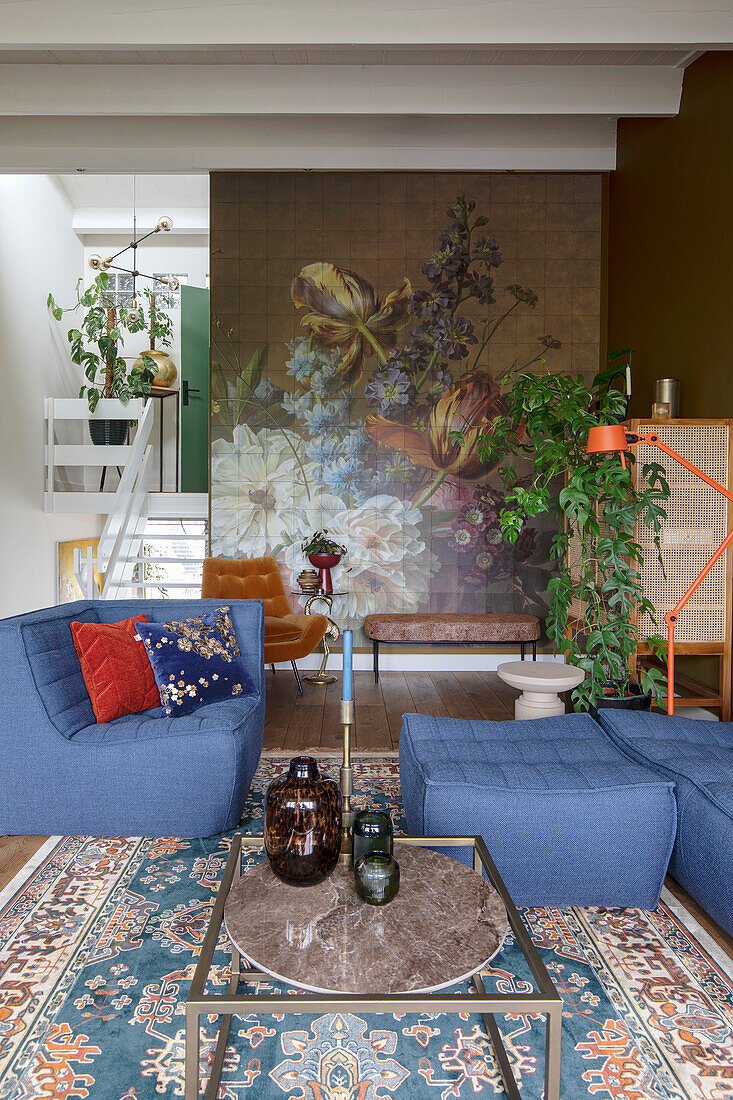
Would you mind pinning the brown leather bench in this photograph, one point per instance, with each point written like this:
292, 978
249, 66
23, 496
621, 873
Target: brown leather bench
450, 629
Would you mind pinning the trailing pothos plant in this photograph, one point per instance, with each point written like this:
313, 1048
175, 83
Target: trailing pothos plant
598, 589
96, 344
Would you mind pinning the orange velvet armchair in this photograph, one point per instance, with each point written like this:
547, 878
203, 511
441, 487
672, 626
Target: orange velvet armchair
288, 637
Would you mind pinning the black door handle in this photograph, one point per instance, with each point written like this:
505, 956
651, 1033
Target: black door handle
186, 391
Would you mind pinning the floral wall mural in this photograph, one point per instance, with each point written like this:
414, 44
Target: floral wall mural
358, 321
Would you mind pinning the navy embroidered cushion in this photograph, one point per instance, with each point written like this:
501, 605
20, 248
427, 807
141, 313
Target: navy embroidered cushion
195, 661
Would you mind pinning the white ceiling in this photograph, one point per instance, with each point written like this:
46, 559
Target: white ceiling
193, 85
164, 192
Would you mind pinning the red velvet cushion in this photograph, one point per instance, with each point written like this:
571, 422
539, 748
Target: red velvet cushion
115, 667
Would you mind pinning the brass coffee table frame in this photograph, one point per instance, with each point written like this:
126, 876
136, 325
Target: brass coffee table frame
548, 1001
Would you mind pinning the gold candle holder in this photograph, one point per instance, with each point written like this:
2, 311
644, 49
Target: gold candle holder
347, 782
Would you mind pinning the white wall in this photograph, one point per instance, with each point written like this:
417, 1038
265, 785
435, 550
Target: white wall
38, 252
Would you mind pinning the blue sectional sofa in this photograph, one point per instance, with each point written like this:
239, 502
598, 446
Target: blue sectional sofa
568, 817
698, 758
140, 775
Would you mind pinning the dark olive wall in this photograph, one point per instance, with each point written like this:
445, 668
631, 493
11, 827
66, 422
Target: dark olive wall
670, 253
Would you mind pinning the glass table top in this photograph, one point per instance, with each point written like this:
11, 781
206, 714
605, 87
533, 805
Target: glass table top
302, 592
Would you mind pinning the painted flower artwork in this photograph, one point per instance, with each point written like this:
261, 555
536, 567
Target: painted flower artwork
357, 434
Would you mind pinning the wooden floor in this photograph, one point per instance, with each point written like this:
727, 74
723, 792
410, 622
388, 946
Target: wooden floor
294, 723
312, 721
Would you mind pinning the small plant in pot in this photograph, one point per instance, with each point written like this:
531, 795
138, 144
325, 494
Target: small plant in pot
597, 593
96, 345
324, 553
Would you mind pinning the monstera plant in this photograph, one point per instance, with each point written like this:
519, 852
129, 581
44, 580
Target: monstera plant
598, 590
96, 346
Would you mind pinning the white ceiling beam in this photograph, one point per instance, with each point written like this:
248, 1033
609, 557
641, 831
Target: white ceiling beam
45, 24
140, 90
90, 220
547, 143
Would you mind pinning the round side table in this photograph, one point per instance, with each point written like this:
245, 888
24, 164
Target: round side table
333, 632
539, 682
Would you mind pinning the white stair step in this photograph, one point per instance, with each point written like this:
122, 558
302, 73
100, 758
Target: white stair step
87, 454
108, 408
178, 505
158, 584
174, 536
82, 503
166, 561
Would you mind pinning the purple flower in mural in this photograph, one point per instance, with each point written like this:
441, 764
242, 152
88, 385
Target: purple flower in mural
487, 252
447, 262
463, 536
486, 559
453, 335
430, 303
481, 287
475, 515
439, 380
389, 388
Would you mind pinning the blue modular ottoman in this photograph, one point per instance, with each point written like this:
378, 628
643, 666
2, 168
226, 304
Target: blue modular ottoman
698, 756
568, 818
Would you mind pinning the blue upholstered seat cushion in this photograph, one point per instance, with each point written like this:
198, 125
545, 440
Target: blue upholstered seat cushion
568, 818
223, 715
698, 756
55, 667
700, 751
196, 661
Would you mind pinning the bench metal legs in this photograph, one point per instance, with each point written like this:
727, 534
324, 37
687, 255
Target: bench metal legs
375, 651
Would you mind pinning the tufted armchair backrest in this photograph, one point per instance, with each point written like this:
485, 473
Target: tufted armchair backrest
246, 579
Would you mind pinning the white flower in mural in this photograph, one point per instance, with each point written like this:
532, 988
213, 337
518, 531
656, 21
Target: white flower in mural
259, 489
389, 559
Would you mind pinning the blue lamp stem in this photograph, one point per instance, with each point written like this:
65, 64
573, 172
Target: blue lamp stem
348, 665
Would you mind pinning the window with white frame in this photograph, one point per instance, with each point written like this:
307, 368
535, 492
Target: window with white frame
165, 297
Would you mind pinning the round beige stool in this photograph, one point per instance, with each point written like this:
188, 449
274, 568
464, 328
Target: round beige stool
539, 682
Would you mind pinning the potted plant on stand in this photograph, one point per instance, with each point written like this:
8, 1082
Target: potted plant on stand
598, 592
324, 553
95, 346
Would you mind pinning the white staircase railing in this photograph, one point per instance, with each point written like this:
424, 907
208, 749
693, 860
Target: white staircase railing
120, 554
120, 528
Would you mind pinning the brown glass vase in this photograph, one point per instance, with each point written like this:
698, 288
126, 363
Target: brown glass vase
303, 824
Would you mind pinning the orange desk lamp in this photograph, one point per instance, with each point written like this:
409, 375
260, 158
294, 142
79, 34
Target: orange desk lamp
614, 437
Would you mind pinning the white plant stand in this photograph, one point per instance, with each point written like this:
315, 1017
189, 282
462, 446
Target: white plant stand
539, 682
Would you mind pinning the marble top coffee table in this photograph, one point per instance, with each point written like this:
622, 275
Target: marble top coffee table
444, 927
327, 940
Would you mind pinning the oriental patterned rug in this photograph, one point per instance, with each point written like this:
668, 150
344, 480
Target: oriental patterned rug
99, 939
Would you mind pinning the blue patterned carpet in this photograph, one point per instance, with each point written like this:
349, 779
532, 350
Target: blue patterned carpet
99, 941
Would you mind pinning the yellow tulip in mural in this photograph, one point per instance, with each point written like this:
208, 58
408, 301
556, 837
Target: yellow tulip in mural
345, 313
466, 407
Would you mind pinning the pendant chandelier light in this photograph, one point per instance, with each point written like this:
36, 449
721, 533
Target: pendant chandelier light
100, 263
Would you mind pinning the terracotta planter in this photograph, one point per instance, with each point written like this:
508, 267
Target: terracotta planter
324, 563
303, 824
